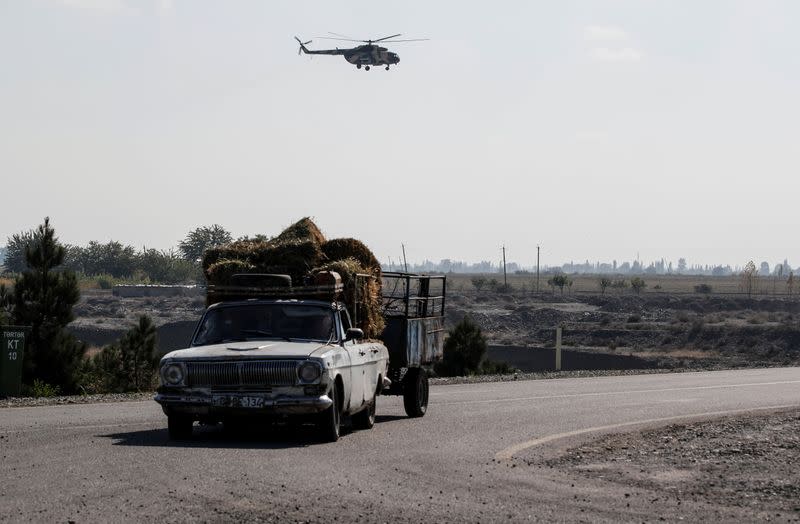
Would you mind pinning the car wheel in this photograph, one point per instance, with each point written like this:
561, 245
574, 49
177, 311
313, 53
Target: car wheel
415, 392
365, 418
330, 420
180, 427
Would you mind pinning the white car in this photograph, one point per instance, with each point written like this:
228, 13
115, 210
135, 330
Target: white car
258, 358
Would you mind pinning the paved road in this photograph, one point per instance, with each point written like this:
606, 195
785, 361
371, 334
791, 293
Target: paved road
465, 460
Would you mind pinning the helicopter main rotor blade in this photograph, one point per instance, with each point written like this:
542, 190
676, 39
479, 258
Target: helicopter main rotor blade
341, 36
384, 38
339, 39
411, 40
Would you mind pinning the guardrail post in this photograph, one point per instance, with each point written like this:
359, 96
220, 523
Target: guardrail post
558, 348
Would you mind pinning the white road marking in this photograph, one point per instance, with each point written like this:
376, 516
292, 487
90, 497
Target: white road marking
606, 393
509, 452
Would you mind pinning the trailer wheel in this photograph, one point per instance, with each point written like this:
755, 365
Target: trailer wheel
415, 392
179, 427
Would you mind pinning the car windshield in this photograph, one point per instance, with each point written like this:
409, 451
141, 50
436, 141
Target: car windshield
266, 321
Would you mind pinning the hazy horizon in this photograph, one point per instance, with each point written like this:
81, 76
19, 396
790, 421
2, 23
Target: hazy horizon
595, 129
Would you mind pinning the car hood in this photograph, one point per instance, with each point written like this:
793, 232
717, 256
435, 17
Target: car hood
251, 349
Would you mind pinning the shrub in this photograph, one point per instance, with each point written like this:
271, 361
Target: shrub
634, 318
464, 350
42, 389
696, 328
478, 283
702, 288
492, 367
126, 365
637, 284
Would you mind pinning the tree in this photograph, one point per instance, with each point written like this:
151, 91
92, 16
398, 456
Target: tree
137, 353
166, 267
128, 364
112, 258
196, 242
464, 350
681, 265
43, 298
637, 284
15, 250
790, 283
749, 277
603, 282
559, 281
619, 284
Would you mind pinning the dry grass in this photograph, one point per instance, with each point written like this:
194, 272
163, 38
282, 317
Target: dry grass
342, 248
300, 251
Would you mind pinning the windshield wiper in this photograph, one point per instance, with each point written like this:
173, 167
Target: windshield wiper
264, 334
256, 332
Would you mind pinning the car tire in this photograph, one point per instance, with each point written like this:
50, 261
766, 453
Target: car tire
415, 392
365, 418
179, 427
330, 420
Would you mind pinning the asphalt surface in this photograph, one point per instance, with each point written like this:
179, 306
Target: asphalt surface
466, 460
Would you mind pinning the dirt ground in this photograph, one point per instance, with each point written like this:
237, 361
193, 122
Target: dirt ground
670, 331
619, 331
744, 468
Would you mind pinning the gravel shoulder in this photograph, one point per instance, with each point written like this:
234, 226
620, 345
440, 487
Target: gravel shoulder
743, 468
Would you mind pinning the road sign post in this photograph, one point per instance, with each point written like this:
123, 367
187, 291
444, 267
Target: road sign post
12, 348
558, 348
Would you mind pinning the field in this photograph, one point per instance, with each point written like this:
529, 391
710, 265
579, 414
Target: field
671, 284
673, 327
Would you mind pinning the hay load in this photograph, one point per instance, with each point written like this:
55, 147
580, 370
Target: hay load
301, 251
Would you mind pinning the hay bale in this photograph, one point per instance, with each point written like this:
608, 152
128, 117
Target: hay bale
304, 230
295, 258
342, 248
220, 272
367, 309
300, 251
299, 257
244, 250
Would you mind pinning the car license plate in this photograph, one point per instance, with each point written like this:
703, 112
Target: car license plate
236, 401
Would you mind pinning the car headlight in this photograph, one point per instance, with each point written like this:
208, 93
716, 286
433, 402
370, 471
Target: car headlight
172, 374
309, 371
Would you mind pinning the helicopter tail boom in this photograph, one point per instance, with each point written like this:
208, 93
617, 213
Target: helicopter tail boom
304, 49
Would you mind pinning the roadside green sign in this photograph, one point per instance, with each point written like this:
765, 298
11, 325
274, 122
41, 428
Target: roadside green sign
12, 346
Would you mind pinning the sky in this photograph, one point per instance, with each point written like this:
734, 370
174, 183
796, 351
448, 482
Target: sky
599, 130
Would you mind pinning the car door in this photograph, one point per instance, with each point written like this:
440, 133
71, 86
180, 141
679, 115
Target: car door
358, 359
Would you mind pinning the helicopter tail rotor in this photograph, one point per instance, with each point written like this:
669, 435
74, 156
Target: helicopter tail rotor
303, 45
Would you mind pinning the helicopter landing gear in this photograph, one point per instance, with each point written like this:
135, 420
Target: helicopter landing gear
366, 68
358, 66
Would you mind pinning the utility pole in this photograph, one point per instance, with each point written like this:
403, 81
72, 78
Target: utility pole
537, 268
505, 278
405, 262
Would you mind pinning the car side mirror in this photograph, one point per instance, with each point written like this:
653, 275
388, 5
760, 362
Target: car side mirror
354, 334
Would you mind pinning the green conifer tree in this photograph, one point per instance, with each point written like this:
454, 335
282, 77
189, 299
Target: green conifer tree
43, 297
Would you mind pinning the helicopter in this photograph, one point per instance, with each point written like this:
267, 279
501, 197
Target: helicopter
365, 55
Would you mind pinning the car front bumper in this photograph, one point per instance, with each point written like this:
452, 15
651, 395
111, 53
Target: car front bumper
209, 404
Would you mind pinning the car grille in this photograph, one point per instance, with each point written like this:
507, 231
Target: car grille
235, 374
